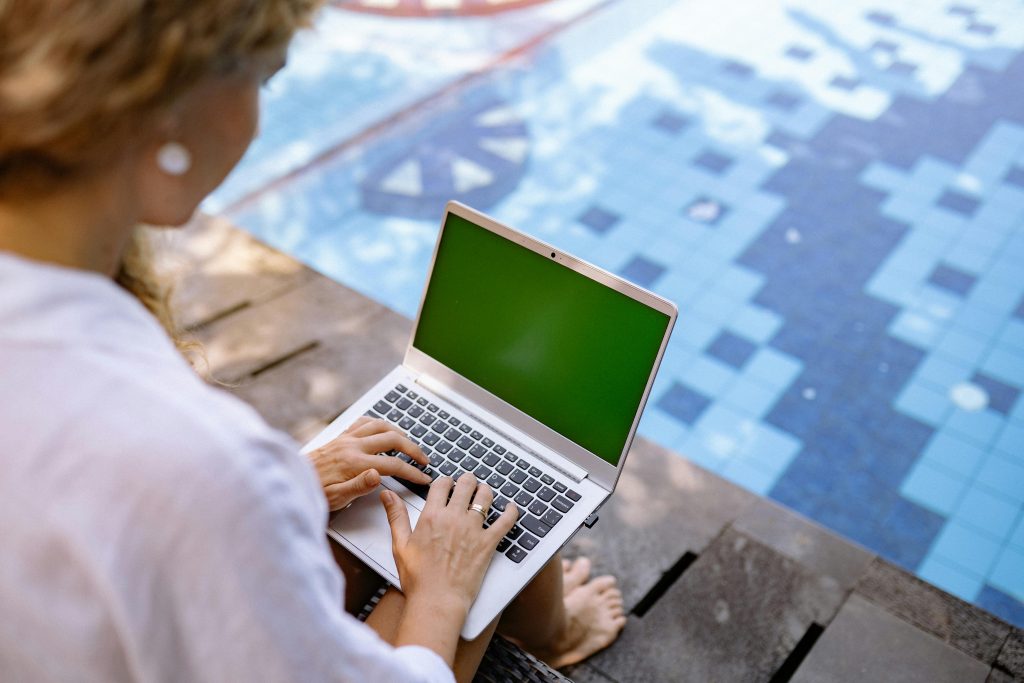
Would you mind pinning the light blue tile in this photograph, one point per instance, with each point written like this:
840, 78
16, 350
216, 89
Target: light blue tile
1017, 537
989, 512
773, 367
749, 476
964, 547
923, 403
1008, 574
702, 450
661, 428
755, 323
916, 329
770, 447
962, 346
933, 488
942, 372
954, 454
694, 331
751, 398
1005, 365
708, 376
978, 321
1011, 441
979, 426
1003, 475
1012, 336
951, 579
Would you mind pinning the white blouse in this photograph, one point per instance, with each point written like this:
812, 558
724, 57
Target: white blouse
153, 528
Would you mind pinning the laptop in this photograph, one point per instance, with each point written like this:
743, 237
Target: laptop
529, 368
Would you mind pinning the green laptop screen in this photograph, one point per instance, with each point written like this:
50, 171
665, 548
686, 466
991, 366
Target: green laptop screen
564, 349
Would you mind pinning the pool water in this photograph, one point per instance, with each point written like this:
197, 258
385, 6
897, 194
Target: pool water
831, 191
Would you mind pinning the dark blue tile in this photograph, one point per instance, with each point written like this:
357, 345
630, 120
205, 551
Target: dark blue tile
1015, 176
670, 122
642, 271
706, 210
1006, 607
731, 350
738, 69
845, 83
886, 46
799, 53
1001, 396
683, 403
714, 162
981, 29
1019, 312
784, 100
599, 220
900, 68
952, 279
881, 18
959, 202
907, 533
961, 11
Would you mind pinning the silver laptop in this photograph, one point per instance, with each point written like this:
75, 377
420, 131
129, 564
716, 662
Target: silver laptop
529, 368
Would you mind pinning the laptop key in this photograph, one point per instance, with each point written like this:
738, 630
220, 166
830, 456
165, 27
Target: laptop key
528, 541
560, 487
456, 455
407, 423
395, 415
538, 508
452, 434
402, 388
478, 451
454, 421
487, 442
535, 472
524, 499
436, 460
444, 415
572, 495
496, 481
404, 458
503, 544
551, 517
447, 469
374, 415
562, 504
439, 427
422, 402
444, 447
465, 443
500, 503
415, 411
470, 463
465, 428
516, 554
547, 479
535, 526
504, 467
403, 404
432, 408
418, 431
500, 450
492, 518
491, 459
511, 457
509, 490
431, 439
412, 394
515, 532
518, 476
391, 397
546, 494
523, 465
382, 407
427, 419
419, 489
477, 435
531, 485
482, 473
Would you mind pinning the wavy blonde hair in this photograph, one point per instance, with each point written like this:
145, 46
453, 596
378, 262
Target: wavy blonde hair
79, 77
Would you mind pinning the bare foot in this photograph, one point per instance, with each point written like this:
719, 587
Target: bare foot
594, 615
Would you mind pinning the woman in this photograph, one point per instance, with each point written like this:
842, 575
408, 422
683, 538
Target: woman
154, 527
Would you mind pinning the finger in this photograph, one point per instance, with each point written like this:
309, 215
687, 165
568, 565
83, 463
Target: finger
505, 521
483, 496
392, 440
340, 495
437, 496
465, 487
398, 519
393, 467
360, 421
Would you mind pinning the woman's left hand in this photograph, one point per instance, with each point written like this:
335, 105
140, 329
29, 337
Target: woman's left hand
350, 466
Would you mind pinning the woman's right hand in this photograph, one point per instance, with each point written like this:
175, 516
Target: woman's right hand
444, 560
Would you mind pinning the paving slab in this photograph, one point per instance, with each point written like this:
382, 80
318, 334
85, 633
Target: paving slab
1010, 662
960, 624
866, 643
663, 506
734, 616
811, 545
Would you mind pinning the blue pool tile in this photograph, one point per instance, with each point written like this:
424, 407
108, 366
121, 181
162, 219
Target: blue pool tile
706, 210
883, 45
784, 100
708, 376
964, 547
749, 476
1015, 176
731, 349
942, 373
989, 512
961, 11
978, 426
954, 454
751, 398
933, 488
1001, 396
799, 52
901, 68
1011, 440
952, 279
958, 202
1008, 574
1017, 537
1005, 365
1004, 476
642, 271
847, 83
905, 534
670, 122
713, 161
737, 69
599, 220
683, 403
757, 324
962, 347
924, 404
773, 367
950, 578
880, 18
1004, 606
981, 29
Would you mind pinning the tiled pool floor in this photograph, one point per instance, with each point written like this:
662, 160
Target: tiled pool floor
832, 191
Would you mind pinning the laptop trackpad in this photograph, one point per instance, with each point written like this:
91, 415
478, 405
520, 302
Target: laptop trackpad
364, 526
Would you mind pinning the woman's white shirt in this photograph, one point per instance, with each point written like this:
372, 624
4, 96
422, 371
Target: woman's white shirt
155, 528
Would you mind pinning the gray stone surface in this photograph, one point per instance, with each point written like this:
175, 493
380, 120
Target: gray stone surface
734, 616
662, 507
1010, 661
866, 643
950, 619
584, 673
809, 544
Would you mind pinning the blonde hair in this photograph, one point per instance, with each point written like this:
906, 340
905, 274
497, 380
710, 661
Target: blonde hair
78, 77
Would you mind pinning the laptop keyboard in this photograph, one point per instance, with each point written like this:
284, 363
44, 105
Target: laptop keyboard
455, 447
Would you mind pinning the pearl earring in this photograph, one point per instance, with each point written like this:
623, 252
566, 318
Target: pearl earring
174, 159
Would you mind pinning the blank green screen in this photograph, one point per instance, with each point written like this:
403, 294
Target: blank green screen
566, 350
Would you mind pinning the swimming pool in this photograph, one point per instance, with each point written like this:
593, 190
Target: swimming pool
833, 193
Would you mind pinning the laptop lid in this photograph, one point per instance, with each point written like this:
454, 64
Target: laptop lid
558, 348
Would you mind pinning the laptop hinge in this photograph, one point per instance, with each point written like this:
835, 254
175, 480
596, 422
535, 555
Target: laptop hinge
576, 474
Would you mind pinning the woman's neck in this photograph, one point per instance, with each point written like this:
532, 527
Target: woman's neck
84, 225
